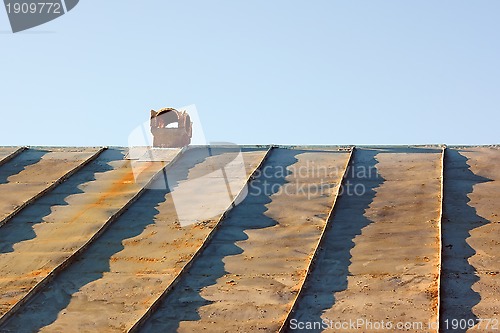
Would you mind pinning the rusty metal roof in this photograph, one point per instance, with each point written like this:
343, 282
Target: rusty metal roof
249, 238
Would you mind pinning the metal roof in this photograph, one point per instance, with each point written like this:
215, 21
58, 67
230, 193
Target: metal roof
249, 238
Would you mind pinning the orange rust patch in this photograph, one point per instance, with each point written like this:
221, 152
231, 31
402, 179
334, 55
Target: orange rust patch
116, 188
12, 302
39, 272
433, 294
134, 259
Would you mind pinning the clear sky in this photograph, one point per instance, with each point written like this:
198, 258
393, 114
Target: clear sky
291, 72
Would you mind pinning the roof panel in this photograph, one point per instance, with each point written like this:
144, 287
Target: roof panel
471, 235
374, 248
34, 172
272, 247
68, 225
128, 267
7, 153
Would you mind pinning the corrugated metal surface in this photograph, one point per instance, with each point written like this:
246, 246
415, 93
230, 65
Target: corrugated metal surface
35, 172
381, 256
138, 256
63, 221
471, 239
94, 240
256, 261
8, 153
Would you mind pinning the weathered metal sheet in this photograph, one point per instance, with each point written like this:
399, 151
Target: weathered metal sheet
313, 260
7, 153
42, 237
35, 172
471, 241
118, 278
247, 277
380, 259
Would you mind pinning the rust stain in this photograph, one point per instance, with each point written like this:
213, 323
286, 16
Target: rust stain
135, 259
115, 189
433, 294
38, 272
13, 302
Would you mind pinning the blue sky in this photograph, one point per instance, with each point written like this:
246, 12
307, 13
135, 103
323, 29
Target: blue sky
291, 72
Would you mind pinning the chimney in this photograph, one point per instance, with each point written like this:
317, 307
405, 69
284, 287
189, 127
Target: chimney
171, 128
